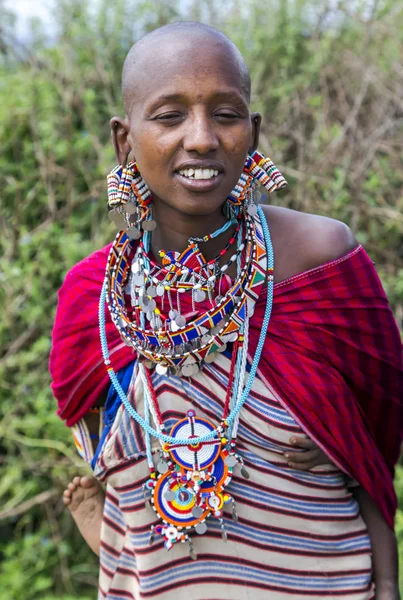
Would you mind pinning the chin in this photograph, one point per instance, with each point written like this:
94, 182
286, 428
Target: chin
199, 208
194, 205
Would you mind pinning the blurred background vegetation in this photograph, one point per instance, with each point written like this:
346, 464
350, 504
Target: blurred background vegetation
328, 79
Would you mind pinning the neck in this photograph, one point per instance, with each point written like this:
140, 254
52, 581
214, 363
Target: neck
174, 230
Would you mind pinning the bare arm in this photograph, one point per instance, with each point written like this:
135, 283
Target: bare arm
384, 547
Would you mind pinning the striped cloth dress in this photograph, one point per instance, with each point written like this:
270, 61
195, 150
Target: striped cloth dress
299, 534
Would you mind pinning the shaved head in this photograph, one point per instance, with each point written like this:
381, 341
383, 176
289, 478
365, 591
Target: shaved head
183, 34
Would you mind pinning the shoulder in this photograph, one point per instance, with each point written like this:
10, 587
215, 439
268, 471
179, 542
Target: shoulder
303, 241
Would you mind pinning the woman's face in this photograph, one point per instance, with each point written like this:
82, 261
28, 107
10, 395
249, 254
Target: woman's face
188, 125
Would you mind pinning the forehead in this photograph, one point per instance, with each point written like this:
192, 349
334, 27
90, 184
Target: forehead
185, 65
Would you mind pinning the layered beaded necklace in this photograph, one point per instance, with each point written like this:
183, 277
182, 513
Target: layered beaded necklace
197, 458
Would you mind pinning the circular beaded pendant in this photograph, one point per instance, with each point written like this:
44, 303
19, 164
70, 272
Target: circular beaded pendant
192, 488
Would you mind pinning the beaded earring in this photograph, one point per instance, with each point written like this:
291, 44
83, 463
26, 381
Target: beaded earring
130, 200
257, 170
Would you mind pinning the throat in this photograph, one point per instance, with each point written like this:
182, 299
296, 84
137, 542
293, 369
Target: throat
178, 238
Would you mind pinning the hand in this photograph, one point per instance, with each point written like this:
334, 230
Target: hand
312, 457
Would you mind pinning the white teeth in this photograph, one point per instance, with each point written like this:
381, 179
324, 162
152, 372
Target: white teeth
199, 173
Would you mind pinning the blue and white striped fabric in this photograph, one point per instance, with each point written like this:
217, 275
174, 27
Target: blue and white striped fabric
299, 534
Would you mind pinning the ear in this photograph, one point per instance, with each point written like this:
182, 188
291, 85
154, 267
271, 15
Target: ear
256, 119
120, 132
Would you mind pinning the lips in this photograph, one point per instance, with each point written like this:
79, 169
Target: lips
199, 185
200, 175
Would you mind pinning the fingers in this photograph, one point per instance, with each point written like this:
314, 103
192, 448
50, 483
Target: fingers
302, 457
303, 461
303, 442
312, 456
303, 466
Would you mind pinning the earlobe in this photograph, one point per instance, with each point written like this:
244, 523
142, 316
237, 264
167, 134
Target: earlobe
120, 132
256, 119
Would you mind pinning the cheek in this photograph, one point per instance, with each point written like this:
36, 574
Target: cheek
237, 142
152, 161
237, 149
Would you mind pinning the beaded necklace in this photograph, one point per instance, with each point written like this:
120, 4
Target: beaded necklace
185, 345
177, 260
197, 458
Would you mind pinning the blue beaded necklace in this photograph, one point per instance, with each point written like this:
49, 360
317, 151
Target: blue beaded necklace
144, 424
189, 484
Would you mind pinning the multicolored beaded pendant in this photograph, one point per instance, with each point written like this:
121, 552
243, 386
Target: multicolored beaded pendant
190, 486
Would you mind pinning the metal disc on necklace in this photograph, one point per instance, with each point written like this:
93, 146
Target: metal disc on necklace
192, 552
187, 370
118, 219
230, 337
135, 266
162, 467
252, 210
231, 460
169, 495
197, 512
133, 233
195, 369
151, 291
130, 208
222, 348
151, 305
149, 313
161, 369
180, 321
209, 358
245, 473
199, 296
173, 314
218, 299
138, 279
160, 289
149, 225
201, 528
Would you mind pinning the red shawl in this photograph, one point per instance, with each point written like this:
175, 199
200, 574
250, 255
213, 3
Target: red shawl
332, 355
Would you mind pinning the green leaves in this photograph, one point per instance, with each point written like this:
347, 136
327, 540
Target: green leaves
328, 84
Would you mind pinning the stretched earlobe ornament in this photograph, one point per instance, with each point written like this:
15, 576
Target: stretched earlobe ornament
129, 200
257, 170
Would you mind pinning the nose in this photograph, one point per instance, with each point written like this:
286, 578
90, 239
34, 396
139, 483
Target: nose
200, 135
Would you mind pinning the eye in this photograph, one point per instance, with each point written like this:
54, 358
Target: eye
169, 117
226, 115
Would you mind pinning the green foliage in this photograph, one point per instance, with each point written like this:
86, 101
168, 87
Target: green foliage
328, 84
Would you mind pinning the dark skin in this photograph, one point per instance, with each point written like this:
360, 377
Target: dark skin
189, 107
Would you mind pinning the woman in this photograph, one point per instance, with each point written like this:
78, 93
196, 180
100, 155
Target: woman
204, 495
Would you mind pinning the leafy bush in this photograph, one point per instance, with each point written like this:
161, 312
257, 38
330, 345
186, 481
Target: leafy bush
329, 85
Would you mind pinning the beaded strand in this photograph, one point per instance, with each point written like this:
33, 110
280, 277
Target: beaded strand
243, 397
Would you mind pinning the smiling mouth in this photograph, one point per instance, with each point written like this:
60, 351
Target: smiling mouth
199, 173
